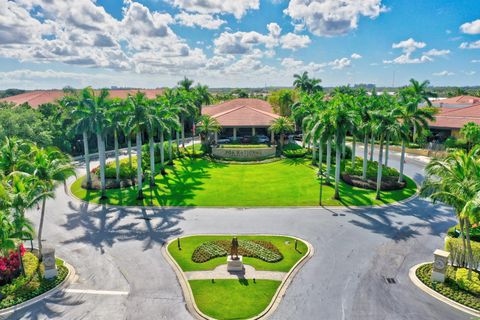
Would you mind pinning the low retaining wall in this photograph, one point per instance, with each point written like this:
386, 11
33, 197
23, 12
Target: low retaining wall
244, 153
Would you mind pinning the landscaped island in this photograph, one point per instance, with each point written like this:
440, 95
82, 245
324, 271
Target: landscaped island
220, 294
202, 182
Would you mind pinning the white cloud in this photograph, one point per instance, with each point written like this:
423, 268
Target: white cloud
294, 66
339, 64
409, 45
293, 41
475, 61
355, 56
236, 7
332, 17
444, 73
471, 27
470, 73
204, 21
470, 45
436, 53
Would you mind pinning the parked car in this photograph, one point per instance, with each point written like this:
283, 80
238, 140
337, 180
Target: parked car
246, 139
223, 141
262, 139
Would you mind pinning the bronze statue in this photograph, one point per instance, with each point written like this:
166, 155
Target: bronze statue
234, 249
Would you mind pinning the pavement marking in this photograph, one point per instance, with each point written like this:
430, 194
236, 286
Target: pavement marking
101, 292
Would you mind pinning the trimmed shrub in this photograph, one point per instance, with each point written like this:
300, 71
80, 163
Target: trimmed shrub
262, 250
372, 167
125, 171
473, 286
293, 150
455, 247
243, 146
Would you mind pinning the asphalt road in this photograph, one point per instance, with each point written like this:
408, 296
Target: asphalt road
116, 253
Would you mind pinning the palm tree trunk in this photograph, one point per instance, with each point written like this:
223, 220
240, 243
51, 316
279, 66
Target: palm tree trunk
469, 248
313, 153
337, 165
379, 170
170, 147
139, 165
282, 138
183, 133
329, 159
101, 155
162, 147
152, 160
343, 149
365, 155
387, 145
177, 136
464, 255
372, 147
320, 154
87, 160
402, 162
117, 159
129, 147
40, 227
354, 149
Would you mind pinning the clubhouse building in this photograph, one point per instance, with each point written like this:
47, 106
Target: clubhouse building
240, 118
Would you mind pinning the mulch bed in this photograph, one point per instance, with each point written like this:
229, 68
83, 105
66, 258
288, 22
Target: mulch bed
109, 183
388, 183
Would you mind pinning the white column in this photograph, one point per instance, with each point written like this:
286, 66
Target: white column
216, 137
234, 133
253, 131
272, 137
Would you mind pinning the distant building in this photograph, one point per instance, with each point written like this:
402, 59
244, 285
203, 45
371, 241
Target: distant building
39, 97
242, 117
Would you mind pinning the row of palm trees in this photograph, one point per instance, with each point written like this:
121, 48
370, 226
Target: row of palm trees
165, 116
28, 177
371, 118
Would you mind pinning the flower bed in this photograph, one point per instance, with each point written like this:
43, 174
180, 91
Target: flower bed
10, 266
262, 250
24, 288
450, 288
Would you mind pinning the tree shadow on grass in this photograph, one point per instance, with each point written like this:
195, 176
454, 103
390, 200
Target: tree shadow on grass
103, 226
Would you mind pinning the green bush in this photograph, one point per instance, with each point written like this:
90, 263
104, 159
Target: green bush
454, 232
372, 167
454, 143
259, 249
449, 288
126, 172
455, 247
473, 285
243, 146
293, 150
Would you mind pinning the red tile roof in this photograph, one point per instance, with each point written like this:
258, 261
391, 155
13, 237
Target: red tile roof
456, 118
242, 113
458, 100
36, 98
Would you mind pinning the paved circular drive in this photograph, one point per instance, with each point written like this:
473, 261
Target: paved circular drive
121, 273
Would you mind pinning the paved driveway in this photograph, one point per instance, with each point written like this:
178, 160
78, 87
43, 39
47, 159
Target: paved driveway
117, 251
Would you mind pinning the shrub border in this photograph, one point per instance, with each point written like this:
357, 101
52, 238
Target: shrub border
276, 299
416, 281
63, 284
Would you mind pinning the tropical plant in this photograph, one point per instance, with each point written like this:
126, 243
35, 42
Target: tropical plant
471, 132
282, 101
186, 84
282, 126
206, 126
306, 84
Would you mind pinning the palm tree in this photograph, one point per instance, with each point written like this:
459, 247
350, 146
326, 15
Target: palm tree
341, 115
282, 126
186, 84
471, 133
420, 90
115, 115
305, 108
139, 112
202, 97
186, 104
166, 120
11, 152
455, 181
205, 126
365, 127
306, 84
48, 167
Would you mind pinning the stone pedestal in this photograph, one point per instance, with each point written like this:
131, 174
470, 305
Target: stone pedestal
234, 265
48, 255
440, 265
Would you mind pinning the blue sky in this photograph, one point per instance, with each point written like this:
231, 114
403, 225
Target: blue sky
247, 43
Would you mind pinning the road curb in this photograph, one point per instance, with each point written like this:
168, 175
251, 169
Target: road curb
276, 299
62, 285
413, 277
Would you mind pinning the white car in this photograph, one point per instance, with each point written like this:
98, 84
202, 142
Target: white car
262, 139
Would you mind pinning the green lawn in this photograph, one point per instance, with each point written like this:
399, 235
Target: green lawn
286, 245
200, 182
233, 299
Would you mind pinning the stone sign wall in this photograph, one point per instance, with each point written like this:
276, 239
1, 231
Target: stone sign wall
244, 153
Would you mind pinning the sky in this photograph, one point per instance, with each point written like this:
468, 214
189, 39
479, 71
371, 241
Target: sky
46, 44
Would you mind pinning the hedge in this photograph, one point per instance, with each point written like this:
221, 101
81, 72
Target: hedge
243, 146
260, 249
473, 285
455, 247
293, 150
372, 168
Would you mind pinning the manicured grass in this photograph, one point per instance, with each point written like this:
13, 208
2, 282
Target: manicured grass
24, 288
449, 288
200, 182
286, 245
233, 299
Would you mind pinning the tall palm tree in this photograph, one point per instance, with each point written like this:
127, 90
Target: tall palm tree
202, 97
341, 115
49, 167
282, 126
306, 108
205, 126
116, 115
365, 127
421, 91
139, 115
12, 151
306, 84
186, 84
188, 110
455, 181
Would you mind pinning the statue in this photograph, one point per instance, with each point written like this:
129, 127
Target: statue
234, 249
